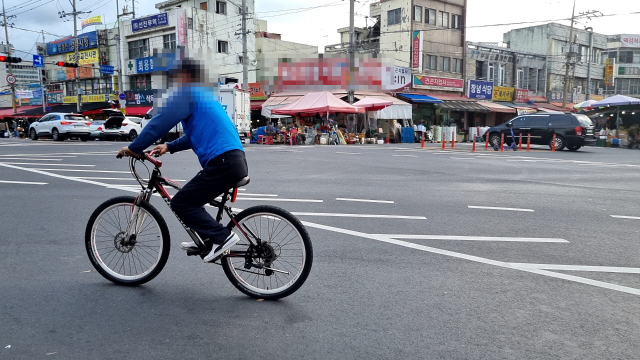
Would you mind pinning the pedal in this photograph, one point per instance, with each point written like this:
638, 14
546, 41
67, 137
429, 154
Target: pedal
193, 252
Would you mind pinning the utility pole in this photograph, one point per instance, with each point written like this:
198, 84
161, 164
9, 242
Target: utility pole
352, 51
43, 82
76, 46
569, 56
245, 63
6, 34
590, 30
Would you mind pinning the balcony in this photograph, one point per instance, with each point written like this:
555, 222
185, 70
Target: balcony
368, 45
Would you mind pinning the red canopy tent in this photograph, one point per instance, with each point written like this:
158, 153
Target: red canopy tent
317, 102
373, 104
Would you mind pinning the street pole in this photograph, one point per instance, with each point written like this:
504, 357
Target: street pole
566, 70
13, 86
590, 30
77, 57
245, 63
352, 50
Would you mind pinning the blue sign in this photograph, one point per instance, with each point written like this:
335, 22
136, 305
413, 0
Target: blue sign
144, 65
121, 96
106, 69
54, 97
47, 109
38, 61
149, 22
61, 46
480, 89
61, 75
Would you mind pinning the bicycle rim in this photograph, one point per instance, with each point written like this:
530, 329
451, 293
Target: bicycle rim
287, 249
127, 263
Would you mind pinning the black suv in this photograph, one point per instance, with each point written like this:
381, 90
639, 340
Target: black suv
573, 131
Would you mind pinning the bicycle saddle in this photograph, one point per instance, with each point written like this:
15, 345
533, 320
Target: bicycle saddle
244, 181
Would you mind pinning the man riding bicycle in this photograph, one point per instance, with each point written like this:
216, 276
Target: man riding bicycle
211, 134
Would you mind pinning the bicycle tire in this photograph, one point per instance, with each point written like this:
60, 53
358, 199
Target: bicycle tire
141, 253
272, 223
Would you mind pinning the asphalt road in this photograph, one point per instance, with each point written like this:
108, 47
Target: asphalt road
454, 255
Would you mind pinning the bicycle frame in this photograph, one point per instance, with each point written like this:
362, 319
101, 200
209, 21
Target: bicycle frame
157, 183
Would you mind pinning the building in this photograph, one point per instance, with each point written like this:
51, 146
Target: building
624, 49
584, 58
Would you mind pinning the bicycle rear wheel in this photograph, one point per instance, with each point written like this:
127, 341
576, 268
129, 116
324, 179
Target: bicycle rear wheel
280, 264
132, 263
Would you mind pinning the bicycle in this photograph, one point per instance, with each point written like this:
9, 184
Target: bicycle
128, 241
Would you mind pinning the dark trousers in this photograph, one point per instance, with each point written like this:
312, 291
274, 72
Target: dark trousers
218, 176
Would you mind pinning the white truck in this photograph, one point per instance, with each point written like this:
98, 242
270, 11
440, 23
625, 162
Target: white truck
234, 101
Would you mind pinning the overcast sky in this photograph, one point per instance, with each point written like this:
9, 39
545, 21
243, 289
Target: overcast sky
317, 26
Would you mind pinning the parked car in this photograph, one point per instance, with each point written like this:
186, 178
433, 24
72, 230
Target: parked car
60, 126
119, 126
96, 129
572, 131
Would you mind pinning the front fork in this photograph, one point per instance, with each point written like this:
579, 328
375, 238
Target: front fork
136, 219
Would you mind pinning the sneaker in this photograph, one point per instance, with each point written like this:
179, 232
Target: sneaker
189, 246
216, 252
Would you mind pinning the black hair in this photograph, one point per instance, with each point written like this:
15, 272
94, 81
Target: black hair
191, 67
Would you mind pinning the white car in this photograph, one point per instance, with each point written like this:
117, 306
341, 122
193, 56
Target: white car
60, 126
121, 127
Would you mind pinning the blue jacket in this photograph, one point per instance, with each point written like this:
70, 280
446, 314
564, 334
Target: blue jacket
208, 129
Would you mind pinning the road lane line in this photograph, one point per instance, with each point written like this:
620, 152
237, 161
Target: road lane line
22, 182
278, 199
625, 217
79, 170
499, 208
405, 155
347, 153
40, 164
608, 269
360, 215
366, 200
2, 158
474, 238
249, 194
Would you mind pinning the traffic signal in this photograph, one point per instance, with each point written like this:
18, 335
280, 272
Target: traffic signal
44, 76
66, 64
10, 59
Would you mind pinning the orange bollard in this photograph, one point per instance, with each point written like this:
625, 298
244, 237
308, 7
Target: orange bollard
520, 142
453, 139
486, 140
422, 146
473, 147
443, 140
553, 147
528, 142
501, 142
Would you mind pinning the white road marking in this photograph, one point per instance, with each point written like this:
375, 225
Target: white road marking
499, 208
474, 238
405, 155
360, 215
17, 163
249, 194
601, 284
83, 170
348, 153
22, 182
279, 199
365, 200
2, 158
625, 217
608, 269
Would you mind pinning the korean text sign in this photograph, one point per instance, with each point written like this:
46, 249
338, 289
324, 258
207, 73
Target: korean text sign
149, 22
501, 93
480, 89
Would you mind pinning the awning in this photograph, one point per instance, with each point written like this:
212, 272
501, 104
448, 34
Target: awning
537, 99
278, 100
8, 112
67, 108
137, 110
399, 109
493, 107
457, 105
549, 106
420, 99
520, 109
256, 104
569, 106
444, 97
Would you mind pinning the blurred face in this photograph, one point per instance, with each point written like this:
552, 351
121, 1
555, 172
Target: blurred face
182, 78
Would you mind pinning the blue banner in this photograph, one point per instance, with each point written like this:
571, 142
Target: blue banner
55, 97
144, 65
106, 69
480, 89
61, 46
149, 22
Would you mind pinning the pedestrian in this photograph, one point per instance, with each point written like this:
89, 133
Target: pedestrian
211, 134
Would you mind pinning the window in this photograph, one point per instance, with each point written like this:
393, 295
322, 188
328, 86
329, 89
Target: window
430, 16
138, 48
520, 79
240, 60
479, 70
445, 64
223, 46
394, 16
417, 13
221, 7
203, 5
140, 82
431, 62
457, 66
626, 57
190, 23
501, 74
491, 73
169, 41
456, 21
444, 19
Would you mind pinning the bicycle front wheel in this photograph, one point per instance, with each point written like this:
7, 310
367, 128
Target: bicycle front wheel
281, 261
127, 262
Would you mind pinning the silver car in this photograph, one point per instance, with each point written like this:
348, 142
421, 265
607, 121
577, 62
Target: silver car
60, 126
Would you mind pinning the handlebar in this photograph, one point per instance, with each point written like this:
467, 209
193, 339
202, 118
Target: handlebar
147, 155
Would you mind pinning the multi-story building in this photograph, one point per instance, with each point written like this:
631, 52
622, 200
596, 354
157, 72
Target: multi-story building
625, 51
582, 55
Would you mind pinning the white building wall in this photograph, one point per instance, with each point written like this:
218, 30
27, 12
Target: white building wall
395, 40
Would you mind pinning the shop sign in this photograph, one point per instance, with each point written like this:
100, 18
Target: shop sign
54, 97
608, 72
578, 98
502, 93
628, 70
149, 22
24, 94
596, 97
69, 99
86, 57
437, 83
85, 99
140, 97
630, 40
480, 89
257, 93
144, 65
522, 96
555, 96
181, 27
116, 85
526, 111
61, 46
416, 53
